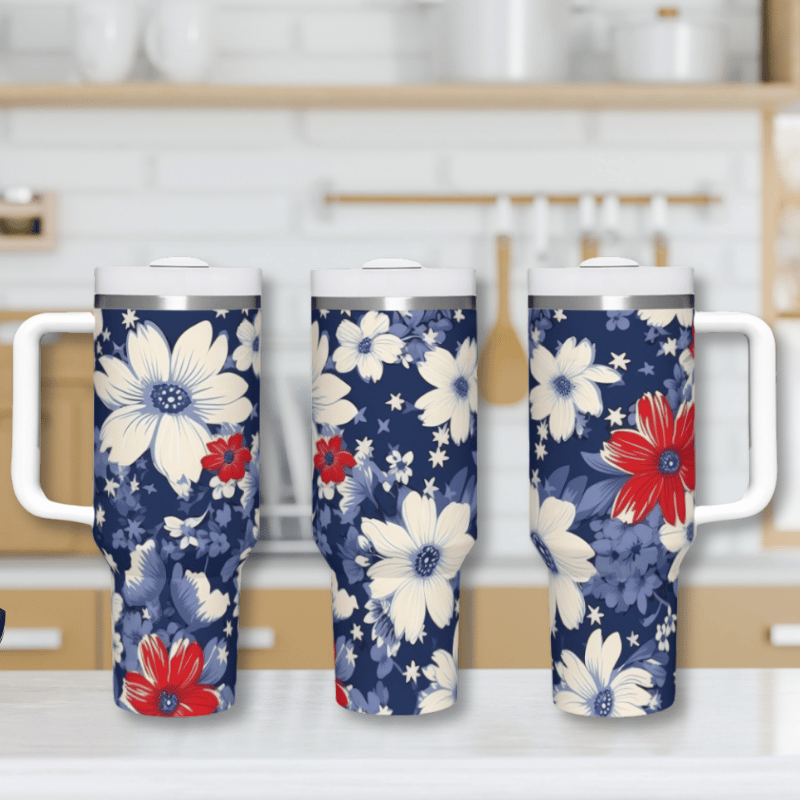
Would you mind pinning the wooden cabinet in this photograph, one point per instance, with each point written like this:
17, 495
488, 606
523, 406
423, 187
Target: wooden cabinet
501, 628
50, 629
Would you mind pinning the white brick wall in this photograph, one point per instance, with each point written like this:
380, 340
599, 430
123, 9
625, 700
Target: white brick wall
243, 188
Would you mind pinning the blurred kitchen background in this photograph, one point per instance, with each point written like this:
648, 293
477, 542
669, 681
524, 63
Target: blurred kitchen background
134, 173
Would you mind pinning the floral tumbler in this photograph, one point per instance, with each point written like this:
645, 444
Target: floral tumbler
612, 494
176, 469
394, 405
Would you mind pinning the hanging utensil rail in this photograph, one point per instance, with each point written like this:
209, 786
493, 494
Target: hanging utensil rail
520, 199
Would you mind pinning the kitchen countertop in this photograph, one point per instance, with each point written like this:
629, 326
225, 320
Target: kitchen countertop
731, 734
282, 571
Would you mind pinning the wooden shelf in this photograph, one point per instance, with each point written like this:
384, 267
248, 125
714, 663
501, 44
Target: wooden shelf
767, 96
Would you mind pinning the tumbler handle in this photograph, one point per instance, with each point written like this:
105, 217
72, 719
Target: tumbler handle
25, 432
762, 413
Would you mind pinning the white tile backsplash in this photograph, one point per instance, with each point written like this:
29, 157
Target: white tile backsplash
243, 187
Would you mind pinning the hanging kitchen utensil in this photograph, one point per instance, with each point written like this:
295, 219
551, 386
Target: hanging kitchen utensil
502, 368
541, 228
658, 223
587, 220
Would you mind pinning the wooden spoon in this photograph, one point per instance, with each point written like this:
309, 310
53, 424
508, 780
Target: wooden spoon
503, 365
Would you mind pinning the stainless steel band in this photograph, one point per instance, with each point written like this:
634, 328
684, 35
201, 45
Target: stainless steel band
632, 302
462, 302
146, 302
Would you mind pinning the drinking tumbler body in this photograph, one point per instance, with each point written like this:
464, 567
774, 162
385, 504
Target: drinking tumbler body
395, 467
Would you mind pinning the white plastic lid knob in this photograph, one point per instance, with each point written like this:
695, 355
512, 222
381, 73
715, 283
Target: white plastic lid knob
392, 277
607, 276
178, 276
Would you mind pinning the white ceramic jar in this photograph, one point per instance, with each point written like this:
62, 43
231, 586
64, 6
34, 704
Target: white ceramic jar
670, 49
505, 40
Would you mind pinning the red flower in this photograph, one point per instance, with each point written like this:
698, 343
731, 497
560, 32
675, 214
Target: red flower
168, 684
341, 690
659, 455
331, 460
227, 459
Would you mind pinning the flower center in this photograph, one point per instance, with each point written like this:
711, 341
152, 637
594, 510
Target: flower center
604, 703
329, 459
167, 702
461, 386
690, 532
365, 345
669, 463
256, 344
563, 386
544, 552
169, 398
426, 560
228, 457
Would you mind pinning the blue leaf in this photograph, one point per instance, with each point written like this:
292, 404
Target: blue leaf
595, 461
214, 663
597, 499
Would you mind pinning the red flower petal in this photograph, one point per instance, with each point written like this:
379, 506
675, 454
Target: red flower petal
186, 664
335, 443
672, 500
654, 418
154, 659
198, 700
346, 459
142, 695
235, 442
212, 462
341, 695
640, 493
630, 451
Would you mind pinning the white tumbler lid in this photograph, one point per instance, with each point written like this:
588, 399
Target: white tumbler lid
180, 276
610, 277
392, 277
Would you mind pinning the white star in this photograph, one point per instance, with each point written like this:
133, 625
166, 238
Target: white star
134, 484
221, 312
222, 654
323, 312
430, 337
344, 313
633, 639
395, 402
559, 316
541, 430
99, 347
619, 361
423, 633
228, 628
595, 615
669, 348
350, 655
106, 334
442, 436
615, 416
430, 486
357, 633
146, 614
246, 311
384, 711
541, 450
438, 457
99, 516
129, 319
458, 315
111, 487
536, 335
535, 479
412, 672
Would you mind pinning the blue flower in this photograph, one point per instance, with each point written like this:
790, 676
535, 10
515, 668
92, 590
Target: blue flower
376, 701
194, 600
145, 578
618, 320
134, 629
345, 658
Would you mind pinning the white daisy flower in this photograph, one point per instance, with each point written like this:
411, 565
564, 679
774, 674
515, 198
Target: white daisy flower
220, 489
565, 555
367, 346
165, 401
456, 394
567, 383
183, 529
400, 465
248, 353
678, 538
418, 561
325, 491
327, 390
661, 317
595, 689
443, 675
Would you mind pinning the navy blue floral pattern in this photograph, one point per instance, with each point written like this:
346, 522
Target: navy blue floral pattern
394, 405
612, 498
176, 497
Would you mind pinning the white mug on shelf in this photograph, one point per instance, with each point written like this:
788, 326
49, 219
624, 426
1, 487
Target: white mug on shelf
106, 39
180, 39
